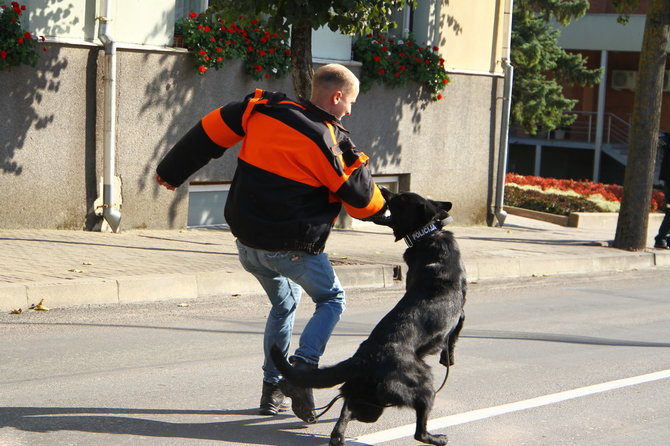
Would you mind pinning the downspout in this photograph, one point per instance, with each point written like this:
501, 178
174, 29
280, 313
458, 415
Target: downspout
110, 213
508, 70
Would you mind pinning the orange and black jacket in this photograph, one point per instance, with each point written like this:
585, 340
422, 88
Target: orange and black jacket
296, 167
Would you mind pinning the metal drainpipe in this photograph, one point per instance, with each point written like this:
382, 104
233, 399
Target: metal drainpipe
500, 213
110, 213
504, 137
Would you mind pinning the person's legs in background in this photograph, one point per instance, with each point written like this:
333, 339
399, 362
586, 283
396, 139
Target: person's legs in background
661, 240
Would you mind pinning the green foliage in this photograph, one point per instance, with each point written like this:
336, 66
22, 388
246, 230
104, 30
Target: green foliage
212, 42
16, 45
537, 99
346, 16
395, 62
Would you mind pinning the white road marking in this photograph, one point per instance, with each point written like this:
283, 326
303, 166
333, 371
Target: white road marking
490, 412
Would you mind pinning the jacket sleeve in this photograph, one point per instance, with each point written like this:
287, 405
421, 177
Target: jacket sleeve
359, 194
208, 139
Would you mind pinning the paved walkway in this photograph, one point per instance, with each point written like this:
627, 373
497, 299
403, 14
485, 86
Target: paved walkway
77, 268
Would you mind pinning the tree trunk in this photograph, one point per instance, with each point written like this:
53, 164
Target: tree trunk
631, 231
301, 59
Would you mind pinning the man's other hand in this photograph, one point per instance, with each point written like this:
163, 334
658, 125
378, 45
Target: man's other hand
164, 183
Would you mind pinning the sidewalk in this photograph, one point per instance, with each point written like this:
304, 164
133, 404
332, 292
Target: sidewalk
79, 268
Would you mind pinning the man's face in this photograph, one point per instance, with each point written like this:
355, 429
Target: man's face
342, 101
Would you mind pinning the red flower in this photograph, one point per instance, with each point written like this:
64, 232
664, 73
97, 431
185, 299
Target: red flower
258, 68
267, 76
20, 40
27, 35
402, 68
218, 48
250, 48
219, 59
193, 15
287, 52
439, 96
397, 74
418, 59
3, 54
254, 22
261, 53
203, 52
381, 71
377, 58
435, 48
207, 29
202, 68
445, 81
213, 39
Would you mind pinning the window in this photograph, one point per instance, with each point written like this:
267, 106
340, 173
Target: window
182, 8
206, 203
391, 182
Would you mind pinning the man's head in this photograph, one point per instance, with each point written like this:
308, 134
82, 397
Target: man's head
334, 89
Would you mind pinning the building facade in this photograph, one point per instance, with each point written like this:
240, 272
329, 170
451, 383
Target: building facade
53, 168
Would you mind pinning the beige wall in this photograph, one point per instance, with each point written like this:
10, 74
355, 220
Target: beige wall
474, 32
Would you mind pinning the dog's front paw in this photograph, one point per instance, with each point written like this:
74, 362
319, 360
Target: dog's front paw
336, 441
436, 439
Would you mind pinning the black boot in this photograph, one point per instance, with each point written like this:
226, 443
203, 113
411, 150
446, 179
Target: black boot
271, 400
302, 399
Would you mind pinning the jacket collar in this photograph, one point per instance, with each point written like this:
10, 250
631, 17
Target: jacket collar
323, 114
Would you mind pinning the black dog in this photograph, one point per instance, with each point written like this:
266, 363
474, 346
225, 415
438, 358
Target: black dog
388, 368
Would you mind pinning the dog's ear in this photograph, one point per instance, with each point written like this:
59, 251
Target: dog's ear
387, 194
444, 205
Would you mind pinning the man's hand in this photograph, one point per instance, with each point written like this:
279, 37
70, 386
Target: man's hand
164, 183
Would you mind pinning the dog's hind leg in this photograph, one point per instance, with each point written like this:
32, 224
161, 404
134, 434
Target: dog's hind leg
337, 436
423, 403
447, 355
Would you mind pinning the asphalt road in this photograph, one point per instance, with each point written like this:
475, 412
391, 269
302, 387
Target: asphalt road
548, 361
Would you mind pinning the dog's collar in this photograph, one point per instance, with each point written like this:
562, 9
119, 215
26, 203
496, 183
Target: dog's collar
432, 226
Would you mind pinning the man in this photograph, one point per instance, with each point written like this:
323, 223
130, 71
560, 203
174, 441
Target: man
661, 239
295, 169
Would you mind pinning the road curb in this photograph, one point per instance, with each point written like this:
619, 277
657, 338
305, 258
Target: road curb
157, 287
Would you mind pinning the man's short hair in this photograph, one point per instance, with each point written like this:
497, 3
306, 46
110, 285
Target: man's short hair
334, 77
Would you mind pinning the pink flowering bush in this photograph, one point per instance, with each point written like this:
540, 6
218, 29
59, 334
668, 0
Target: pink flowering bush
212, 42
395, 62
16, 45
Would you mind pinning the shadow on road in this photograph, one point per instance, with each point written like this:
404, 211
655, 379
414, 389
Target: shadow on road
119, 421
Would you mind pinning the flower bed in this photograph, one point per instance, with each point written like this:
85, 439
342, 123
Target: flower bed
564, 196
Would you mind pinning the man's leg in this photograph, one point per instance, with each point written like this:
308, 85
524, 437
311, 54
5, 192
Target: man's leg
661, 240
284, 296
316, 276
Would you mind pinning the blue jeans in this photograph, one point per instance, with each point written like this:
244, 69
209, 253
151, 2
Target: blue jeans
283, 275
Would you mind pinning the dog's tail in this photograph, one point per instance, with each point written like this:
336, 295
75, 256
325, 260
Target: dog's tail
318, 378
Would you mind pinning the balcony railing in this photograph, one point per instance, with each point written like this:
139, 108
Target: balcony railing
583, 129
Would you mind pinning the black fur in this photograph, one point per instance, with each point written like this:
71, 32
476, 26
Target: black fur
388, 368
